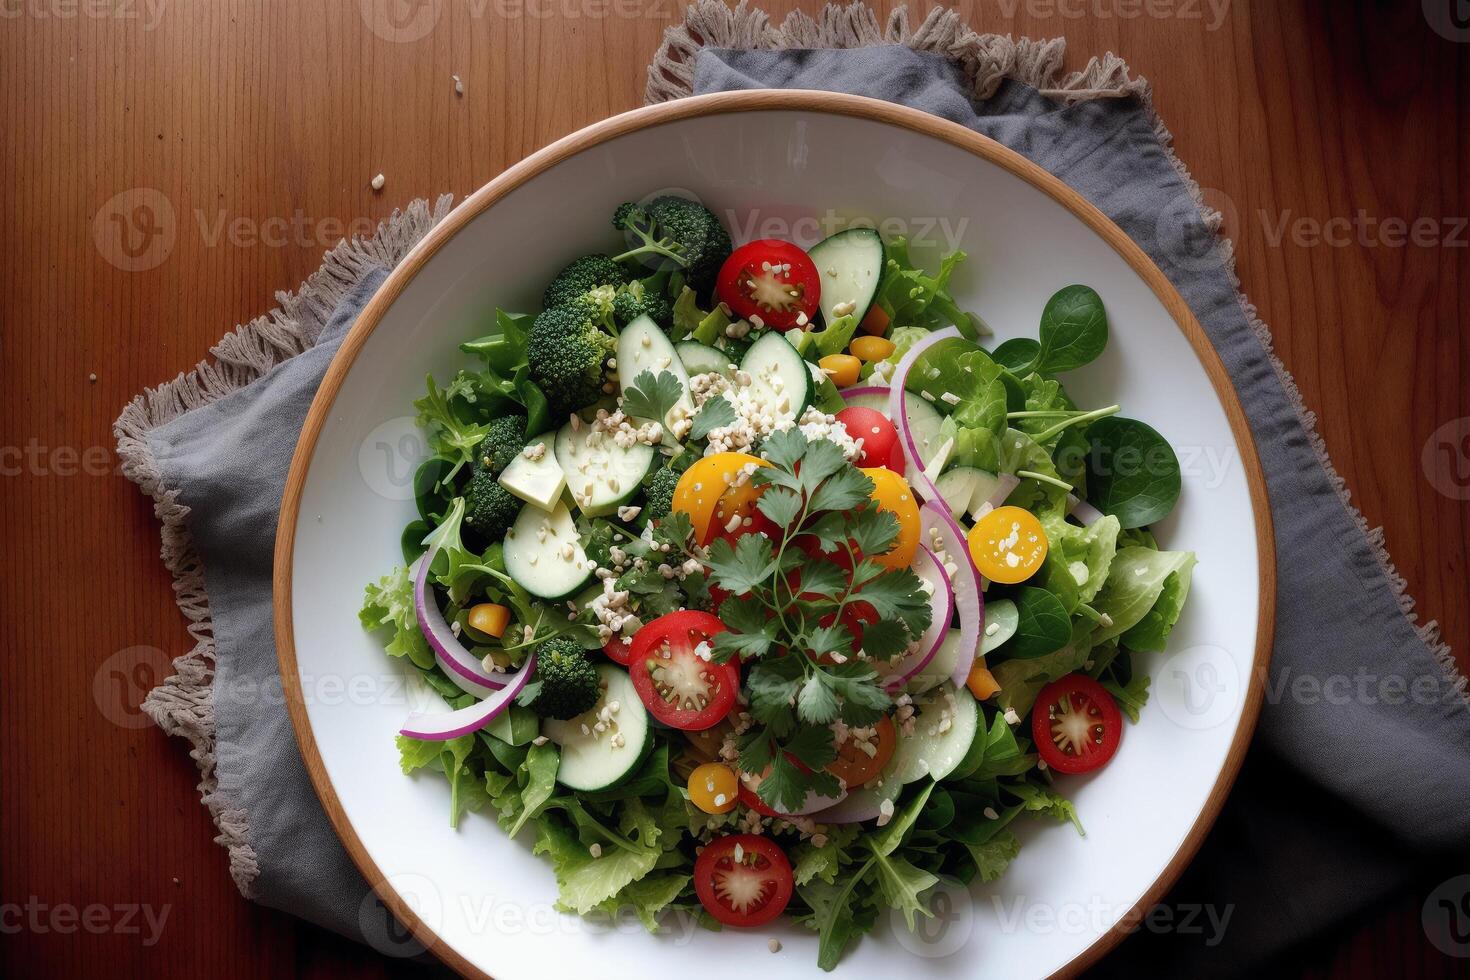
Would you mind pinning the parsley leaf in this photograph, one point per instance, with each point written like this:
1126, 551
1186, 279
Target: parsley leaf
872, 531
781, 504
740, 567
816, 702
847, 488
885, 639
716, 413
651, 397
898, 594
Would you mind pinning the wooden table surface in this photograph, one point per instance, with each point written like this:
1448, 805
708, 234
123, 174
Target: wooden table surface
260, 126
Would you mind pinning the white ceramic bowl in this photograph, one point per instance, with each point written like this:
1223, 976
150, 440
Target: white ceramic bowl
774, 164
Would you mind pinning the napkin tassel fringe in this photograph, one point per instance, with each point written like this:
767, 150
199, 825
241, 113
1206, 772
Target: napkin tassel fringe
183, 705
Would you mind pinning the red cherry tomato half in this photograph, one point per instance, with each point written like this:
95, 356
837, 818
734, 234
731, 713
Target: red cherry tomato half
677, 685
770, 279
618, 649
747, 798
880, 438
743, 880
1075, 724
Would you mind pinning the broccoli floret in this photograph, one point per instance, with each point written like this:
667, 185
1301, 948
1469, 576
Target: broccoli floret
680, 231
637, 299
505, 438
489, 508
568, 679
659, 494
580, 277
567, 348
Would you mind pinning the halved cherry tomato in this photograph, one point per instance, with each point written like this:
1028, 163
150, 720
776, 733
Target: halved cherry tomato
893, 494
712, 787
879, 437
619, 649
702, 486
749, 799
743, 880
854, 766
770, 279
1008, 545
676, 684
1075, 724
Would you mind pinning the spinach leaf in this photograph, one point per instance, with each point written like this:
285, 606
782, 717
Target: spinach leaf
433, 488
1132, 473
1017, 354
1042, 625
1074, 330
411, 541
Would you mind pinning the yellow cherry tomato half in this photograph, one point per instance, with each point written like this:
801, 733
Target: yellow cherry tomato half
893, 494
489, 618
701, 486
871, 348
713, 787
1008, 545
843, 369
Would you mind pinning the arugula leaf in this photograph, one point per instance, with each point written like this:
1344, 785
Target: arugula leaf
1132, 696
584, 881
1132, 472
901, 884
650, 397
885, 840
717, 413
389, 602
540, 768
450, 436
1074, 330
840, 913
1003, 755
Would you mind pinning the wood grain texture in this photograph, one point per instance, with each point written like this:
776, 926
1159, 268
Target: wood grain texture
246, 112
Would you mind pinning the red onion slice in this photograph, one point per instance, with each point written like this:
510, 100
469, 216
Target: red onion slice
1007, 483
451, 724
1082, 510
853, 395
928, 568
899, 415
461, 666
940, 527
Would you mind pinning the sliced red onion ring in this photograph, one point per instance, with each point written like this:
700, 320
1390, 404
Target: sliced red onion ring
471, 718
969, 600
1082, 510
461, 666
927, 567
1008, 482
899, 415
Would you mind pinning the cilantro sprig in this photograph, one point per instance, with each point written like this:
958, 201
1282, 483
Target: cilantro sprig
788, 607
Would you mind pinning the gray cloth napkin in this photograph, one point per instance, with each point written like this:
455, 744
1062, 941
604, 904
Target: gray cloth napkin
1338, 803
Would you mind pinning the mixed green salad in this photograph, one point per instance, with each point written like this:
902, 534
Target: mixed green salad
755, 583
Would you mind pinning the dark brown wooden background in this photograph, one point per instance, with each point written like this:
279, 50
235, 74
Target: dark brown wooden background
238, 113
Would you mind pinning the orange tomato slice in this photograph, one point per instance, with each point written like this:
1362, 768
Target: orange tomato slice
702, 487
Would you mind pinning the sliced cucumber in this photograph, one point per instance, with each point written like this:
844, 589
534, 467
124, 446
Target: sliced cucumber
601, 475
930, 751
877, 401
537, 555
925, 425
988, 488
703, 359
957, 486
594, 760
643, 346
778, 376
538, 481
850, 266
1001, 619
